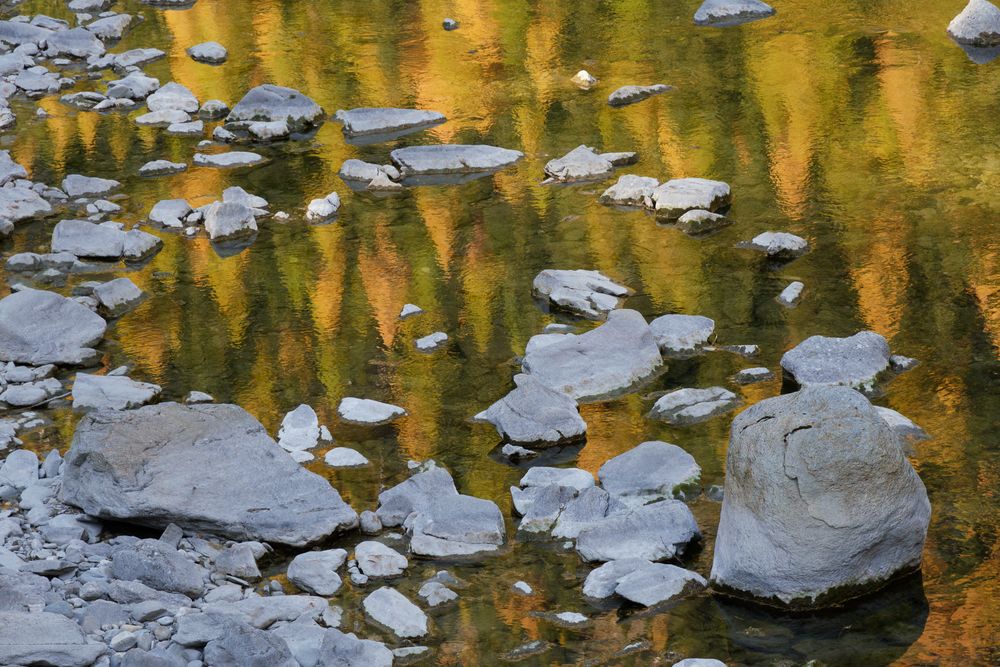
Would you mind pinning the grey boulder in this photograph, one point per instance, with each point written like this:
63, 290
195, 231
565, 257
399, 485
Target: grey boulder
682, 334
39, 327
374, 120
456, 526
680, 195
209, 468
87, 239
245, 646
416, 493
658, 531
118, 296
115, 392
630, 190
779, 245
452, 159
659, 583
612, 358
631, 94
340, 649
316, 571
270, 103
588, 293
977, 25
691, 406
820, 502
649, 471
723, 13
582, 163
388, 607
159, 566
45, 639
225, 221
855, 361
532, 413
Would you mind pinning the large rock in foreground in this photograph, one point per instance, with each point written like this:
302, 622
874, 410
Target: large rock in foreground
820, 503
977, 25
39, 327
609, 359
209, 468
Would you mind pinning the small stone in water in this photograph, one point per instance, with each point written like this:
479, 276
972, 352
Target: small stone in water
409, 310
523, 588
321, 209
584, 79
789, 297
212, 53
366, 411
431, 342
450, 24
751, 375
345, 457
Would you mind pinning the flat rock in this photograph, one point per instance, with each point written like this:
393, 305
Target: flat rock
697, 222
682, 334
724, 13
691, 406
452, 159
229, 160
87, 239
588, 293
390, 608
431, 342
367, 411
323, 208
631, 94
161, 168
152, 466
779, 245
170, 212
159, 566
173, 96
345, 457
592, 506
19, 203
338, 648
610, 359
270, 103
139, 245
602, 581
45, 639
435, 593
369, 121
977, 25
212, 53
855, 361
649, 471
659, 583
659, 531
751, 375
39, 327
820, 502
680, 195
456, 526
582, 163
378, 560
532, 413
74, 43
630, 190
246, 646
316, 571
546, 476
114, 392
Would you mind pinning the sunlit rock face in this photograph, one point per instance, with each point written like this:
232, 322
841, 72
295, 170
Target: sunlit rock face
820, 502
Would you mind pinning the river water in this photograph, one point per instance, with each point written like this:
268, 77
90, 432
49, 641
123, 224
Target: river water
859, 126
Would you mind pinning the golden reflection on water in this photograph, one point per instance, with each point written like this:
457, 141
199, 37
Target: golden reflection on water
861, 127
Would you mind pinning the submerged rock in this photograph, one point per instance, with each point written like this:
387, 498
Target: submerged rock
649, 471
751, 375
374, 121
270, 103
588, 293
630, 190
820, 503
39, 327
724, 13
366, 411
243, 486
117, 297
977, 25
631, 94
659, 531
696, 222
115, 392
680, 195
682, 334
690, 406
611, 358
452, 159
855, 361
532, 413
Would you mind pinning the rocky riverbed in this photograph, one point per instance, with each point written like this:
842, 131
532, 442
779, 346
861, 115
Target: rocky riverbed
365, 336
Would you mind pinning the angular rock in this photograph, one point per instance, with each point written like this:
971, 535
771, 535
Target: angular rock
456, 526
39, 327
691, 406
541, 505
74, 43
76, 185
139, 245
299, 429
366, 411
780, 245
369, 121
87, 239
347, 650
680, 195
631, 94
377, 560
659, 583
820, 502
22, 203
345, 457
649, 471
238, 560
682, 334
316, 571
45, 639
588, 509
246, 646
612, 358
588, 293
905, 428
580, 164
659, 531
724, 13
230, 160
790, 296
209, 468
173, 96
159, 566
170, 212
226, 221
161, 168
416, 493
270, 103
751, 375
584, 79
212, 53
117, 296
602, 581
545, 476
326, 207
114, 392
391, 609
532, 413
855, 361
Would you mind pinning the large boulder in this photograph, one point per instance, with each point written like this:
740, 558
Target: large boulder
532, 413
612, 358
855, 361
270, 103
45, 639
39, 327
210, 468
820, 502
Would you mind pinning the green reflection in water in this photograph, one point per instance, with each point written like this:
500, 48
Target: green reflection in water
857, 125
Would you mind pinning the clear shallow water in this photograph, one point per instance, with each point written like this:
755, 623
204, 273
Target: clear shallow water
861, 127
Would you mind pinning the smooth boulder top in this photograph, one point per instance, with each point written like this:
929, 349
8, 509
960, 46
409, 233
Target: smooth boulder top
612, 358
456, 526
631, 94
582, 163
977, 25
210, 468
390, 608
276, 103
452, 159
417, 492
39, 327
630, 190
88, 239
680, 195
691, 406
682, 334
855, 361
21, 203
723, 13
386, 120
649, 471
115, 392
659, 583
212, 53
780, 245
588, 293
820, 502
532, 413
76, 185
659, 531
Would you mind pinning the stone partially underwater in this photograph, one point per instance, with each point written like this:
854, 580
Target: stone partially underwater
821, 504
